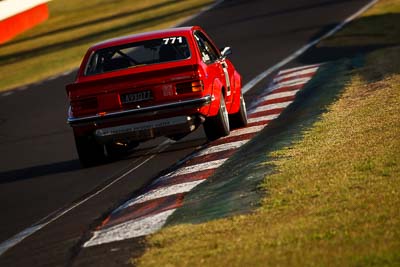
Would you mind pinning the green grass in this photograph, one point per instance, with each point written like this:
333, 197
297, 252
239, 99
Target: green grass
59, 44
334, 199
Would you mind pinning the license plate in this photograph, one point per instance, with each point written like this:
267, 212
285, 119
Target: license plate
136, 97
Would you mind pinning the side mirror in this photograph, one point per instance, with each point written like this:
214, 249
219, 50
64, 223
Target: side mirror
226, 51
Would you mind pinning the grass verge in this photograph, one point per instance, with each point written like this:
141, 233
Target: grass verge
59, 44
334, 199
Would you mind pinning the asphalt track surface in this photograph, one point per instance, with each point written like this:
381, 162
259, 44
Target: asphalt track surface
40, 175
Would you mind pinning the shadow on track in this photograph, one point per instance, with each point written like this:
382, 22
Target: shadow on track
38, 171
74, 164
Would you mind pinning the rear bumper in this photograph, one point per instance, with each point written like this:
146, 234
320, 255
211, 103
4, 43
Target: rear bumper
147, 130
145, 111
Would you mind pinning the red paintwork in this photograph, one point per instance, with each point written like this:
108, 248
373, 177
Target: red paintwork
106, 87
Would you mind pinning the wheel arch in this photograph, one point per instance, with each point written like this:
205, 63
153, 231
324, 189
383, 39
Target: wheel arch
217, 89
235, 106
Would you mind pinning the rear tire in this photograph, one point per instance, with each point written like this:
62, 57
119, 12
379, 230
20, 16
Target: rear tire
239, 119
218, 126
89, 151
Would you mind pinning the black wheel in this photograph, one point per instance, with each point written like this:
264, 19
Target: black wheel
218, 126
89, 151
239, 119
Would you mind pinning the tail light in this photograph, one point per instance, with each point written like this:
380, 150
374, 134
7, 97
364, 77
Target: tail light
82, 105
189, 87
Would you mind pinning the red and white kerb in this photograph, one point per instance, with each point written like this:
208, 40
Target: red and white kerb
148, 212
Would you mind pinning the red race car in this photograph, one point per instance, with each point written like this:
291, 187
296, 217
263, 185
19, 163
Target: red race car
163, 83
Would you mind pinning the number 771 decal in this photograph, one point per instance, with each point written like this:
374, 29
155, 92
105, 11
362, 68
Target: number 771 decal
172, 40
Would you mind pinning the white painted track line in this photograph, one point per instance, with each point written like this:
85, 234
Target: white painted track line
19, 237
66, 73
8, 93
4, 246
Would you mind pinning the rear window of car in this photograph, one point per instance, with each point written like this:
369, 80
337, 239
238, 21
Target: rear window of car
138, 54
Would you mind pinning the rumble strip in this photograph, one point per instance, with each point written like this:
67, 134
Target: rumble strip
148, 212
